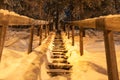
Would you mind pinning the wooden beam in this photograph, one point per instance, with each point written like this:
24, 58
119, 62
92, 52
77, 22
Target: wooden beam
73, 36
2, 38
40, 32
81, 40
112, 22
110, 55
31, 39
15, 19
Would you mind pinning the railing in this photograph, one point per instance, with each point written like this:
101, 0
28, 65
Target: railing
107, 24
12, 19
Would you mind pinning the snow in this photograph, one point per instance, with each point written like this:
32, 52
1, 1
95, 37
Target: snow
18, 65
92, 65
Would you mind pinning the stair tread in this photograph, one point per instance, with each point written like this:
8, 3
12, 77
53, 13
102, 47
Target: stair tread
59, 64
58, 70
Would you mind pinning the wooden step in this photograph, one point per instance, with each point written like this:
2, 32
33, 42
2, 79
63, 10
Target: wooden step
61, 60
59, 56
58, 53
65, 51
58, 71
57, 48
59, 66
58, 40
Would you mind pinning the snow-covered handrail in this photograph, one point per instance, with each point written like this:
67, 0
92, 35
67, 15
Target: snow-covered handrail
11, 18
110, 22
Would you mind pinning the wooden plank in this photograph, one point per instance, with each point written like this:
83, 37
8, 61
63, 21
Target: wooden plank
2, 38
40, 32
81, 40
73, 36
110, 55
31, 39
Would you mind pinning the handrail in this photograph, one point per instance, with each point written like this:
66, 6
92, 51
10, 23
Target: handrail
11, 18
111, 22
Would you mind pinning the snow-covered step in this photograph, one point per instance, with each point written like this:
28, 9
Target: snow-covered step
59, 66
58, 48
64, 51
58, 53
54, 72
61, 60
59, 56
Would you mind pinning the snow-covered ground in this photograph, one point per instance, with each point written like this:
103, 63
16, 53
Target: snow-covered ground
90, 66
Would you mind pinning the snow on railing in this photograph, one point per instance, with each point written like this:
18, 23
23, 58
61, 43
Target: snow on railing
107, 24
11, 18
111, 22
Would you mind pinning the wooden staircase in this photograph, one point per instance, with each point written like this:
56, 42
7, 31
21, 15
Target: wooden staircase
59, 65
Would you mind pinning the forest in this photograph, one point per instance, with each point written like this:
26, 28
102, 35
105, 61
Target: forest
66, 9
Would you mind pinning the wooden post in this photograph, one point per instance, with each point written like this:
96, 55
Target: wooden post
48, 29
40, 32
81, 40
83, 32
31, 39
1, 42
72, 35
68, 31
2, 38
45, 31
110, 55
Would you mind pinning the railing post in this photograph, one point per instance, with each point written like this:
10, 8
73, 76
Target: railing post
48, 29
68, 29
110, 55
45, 31
40, 32
31, 39
81, 40
2, 38
72, 35
83, 32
